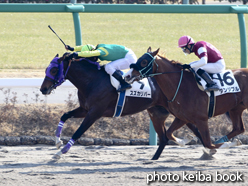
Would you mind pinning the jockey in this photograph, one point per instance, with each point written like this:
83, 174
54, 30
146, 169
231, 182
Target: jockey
211, 60
119, 56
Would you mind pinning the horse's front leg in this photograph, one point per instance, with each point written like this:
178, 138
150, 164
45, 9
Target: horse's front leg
76, 113
158, 116
195, 130
90, 118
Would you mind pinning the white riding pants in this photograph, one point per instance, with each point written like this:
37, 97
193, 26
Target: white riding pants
121, 64
213, 68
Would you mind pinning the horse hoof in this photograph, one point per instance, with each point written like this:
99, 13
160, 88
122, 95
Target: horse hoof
57, 156
238, 142
188, 138
59, 144
207, 154
212, 152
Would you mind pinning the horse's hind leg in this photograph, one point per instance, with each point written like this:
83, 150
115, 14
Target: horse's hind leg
158, 116
238, 125
76, 113
204, 131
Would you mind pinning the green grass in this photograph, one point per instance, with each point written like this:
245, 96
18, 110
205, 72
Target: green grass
27, 43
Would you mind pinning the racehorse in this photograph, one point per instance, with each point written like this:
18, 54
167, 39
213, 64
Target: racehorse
97, 98
186, 101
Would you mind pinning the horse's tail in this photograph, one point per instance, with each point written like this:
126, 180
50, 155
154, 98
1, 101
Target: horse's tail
228, 116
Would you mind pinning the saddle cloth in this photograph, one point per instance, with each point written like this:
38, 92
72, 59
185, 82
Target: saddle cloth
226, 81
139, 89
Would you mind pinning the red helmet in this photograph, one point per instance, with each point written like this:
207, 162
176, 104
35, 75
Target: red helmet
185, 40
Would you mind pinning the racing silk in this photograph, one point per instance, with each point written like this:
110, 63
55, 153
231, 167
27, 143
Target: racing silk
207, 54
108, 52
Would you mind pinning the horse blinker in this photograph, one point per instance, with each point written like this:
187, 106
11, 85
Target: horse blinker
54, 74
145, 65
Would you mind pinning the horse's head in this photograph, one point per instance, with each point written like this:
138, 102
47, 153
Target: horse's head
54, 75
143, 67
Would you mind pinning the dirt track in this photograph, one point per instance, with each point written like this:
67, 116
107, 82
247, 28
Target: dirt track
119, 165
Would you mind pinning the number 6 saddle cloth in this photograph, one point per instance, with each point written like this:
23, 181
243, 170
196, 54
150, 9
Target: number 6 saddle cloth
227, 84
226, 81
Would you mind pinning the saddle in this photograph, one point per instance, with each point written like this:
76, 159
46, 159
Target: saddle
227, 83
140, 89
197, 79
225, 80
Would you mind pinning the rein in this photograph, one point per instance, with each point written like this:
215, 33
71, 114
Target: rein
178, 86
61, 76
69, 65
156, 74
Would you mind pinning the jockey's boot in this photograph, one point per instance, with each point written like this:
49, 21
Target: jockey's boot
124, 85
211, 85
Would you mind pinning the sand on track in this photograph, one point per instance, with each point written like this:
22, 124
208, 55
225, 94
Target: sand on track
119, 165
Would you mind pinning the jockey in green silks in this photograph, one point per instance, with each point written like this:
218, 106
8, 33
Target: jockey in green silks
119, 56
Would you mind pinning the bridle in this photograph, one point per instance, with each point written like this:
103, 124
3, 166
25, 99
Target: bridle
60, 77
145, 72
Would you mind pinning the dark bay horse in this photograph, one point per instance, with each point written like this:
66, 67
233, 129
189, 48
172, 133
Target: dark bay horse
186, 101
97, 98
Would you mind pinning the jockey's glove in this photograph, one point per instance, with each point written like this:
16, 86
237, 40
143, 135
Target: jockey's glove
186, 66
73, 55
69, 48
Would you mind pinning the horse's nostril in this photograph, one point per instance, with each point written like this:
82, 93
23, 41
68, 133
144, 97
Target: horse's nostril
43, 91
128, 76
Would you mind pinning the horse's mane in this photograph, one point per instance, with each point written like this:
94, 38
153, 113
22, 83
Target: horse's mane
84, 62
173, 62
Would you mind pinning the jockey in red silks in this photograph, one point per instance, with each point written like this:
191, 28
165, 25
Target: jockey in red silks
119, 56
211, 60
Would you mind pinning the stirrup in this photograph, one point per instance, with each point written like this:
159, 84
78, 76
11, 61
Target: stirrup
124, 87
213, 88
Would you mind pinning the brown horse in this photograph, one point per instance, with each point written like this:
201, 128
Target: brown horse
186, 101
97, 98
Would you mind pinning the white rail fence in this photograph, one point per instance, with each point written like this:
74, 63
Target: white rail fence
26, 82
27, 90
